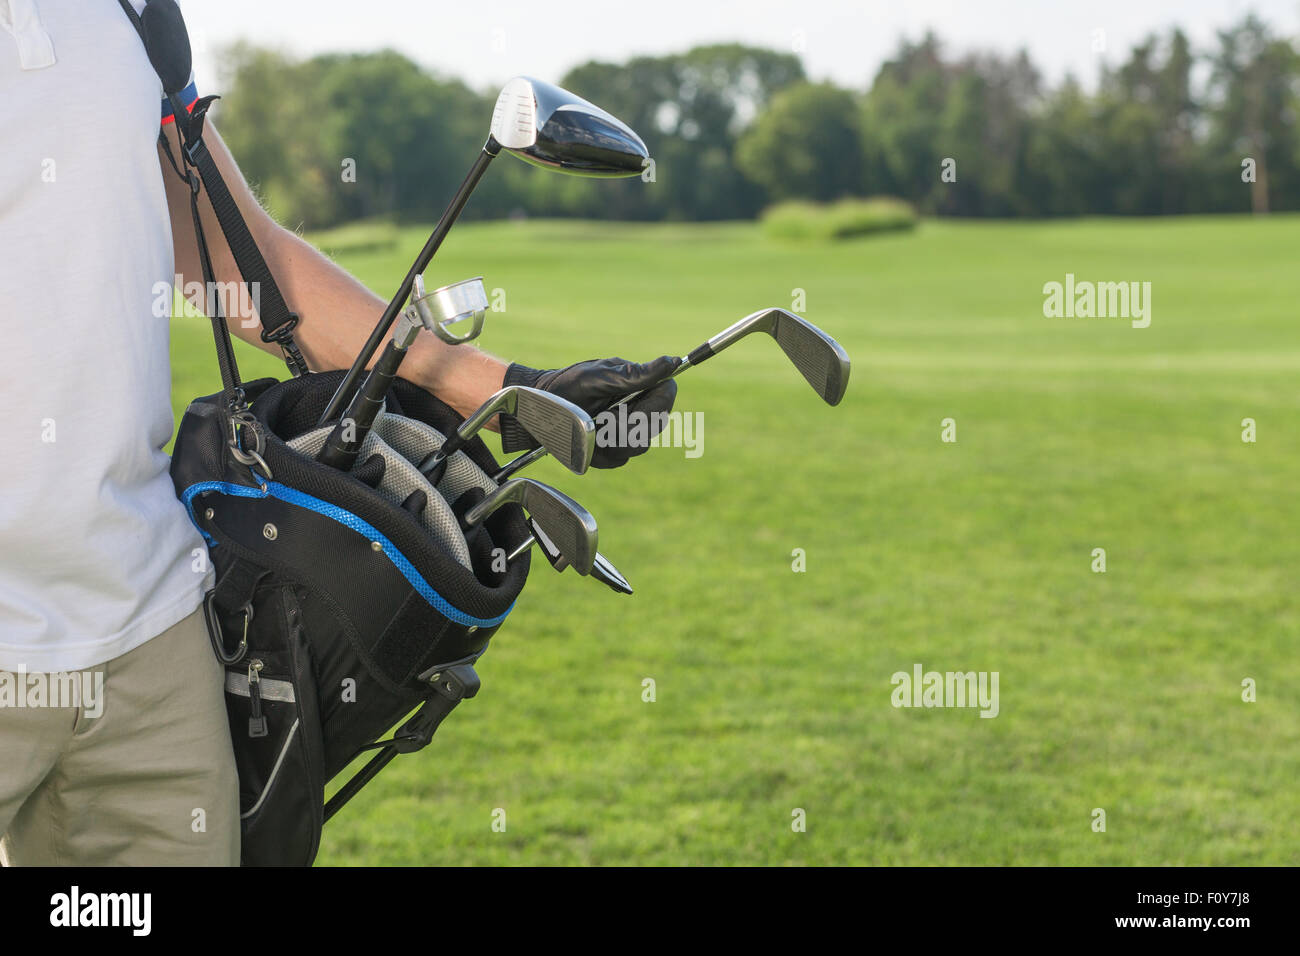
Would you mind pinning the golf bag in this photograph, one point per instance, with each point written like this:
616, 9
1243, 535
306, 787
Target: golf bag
339, 607
336, 611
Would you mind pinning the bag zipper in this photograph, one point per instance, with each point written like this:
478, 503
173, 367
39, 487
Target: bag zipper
256, 720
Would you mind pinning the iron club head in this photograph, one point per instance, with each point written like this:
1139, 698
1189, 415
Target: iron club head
564, 429
567, 526
819, 358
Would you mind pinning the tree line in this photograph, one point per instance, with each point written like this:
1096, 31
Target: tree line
732, 128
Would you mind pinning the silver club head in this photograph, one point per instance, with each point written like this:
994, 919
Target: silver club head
569, 528
564, 429
819, 358
451, 305
550, 127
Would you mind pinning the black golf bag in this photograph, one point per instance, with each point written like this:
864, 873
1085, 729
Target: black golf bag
336, 611
343, 600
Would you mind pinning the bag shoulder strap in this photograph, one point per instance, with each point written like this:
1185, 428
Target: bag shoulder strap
278, 322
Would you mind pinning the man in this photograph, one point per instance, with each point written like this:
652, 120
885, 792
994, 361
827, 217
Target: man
101, 574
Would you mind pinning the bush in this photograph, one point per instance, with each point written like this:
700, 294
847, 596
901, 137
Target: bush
841, 219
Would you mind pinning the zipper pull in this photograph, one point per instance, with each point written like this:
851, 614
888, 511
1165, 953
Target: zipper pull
256, 720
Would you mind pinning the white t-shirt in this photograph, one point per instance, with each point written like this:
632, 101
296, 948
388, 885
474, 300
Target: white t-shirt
96, 554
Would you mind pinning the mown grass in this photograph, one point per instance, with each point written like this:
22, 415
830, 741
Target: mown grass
1119, 691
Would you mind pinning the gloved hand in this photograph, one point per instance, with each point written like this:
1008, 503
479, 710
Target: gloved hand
594, 386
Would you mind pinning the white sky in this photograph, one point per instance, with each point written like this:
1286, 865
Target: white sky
485, 42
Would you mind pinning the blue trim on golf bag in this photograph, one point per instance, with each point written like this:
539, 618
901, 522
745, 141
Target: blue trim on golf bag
291, 496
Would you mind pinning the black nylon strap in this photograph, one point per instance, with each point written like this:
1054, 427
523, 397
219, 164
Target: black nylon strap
230, 381
277, 321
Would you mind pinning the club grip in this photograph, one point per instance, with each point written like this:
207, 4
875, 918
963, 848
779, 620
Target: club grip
341, 453
698, 355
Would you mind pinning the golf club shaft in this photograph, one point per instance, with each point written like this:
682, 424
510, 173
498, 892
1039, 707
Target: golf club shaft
602, 570
538, 453
343, 394
433, 465
340, 451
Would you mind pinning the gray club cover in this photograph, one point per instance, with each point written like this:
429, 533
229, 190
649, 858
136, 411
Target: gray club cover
400, 479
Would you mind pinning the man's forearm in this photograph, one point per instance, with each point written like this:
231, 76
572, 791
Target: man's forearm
337, 312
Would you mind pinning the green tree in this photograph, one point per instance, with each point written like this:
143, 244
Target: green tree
268, 117
807, 145
901, 122
1253, 111
690, 108
984, 127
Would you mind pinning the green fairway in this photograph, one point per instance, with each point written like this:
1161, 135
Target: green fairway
1120, 691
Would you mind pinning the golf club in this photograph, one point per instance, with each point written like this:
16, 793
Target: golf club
819, 358
543, 125
568, 526
344, 442
563, 428
601, 569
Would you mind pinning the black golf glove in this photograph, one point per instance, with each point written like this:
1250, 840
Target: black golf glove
594, 386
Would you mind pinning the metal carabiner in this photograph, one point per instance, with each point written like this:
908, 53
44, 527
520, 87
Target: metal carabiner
245, 419
216, 635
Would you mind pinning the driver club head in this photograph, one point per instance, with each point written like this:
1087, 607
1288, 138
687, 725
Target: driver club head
568, 527
550, 127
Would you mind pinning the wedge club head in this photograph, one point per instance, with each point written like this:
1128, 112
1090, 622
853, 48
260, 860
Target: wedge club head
567, 525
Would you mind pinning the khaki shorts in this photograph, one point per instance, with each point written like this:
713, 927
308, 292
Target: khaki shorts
149, 780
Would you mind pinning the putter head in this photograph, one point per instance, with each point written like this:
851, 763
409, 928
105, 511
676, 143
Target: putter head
550, 127
451, 305
819, 358
568, 529
565, 430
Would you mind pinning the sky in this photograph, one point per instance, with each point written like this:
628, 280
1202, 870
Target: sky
485, 43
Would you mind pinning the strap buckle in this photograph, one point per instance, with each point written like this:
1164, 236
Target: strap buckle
192, 130
283, 332
282, 335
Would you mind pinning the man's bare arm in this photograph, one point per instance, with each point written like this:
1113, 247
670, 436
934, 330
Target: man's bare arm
337, 312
